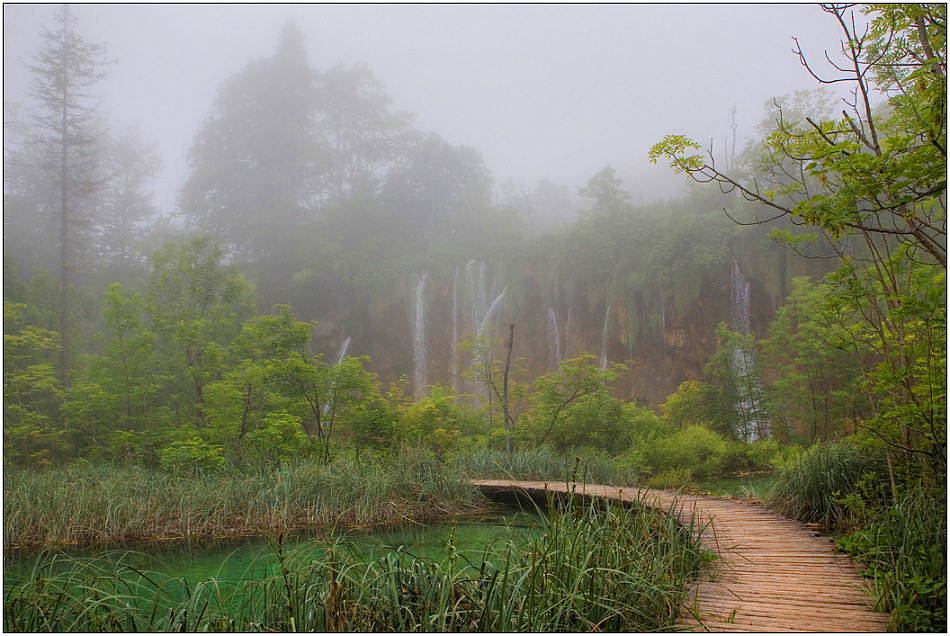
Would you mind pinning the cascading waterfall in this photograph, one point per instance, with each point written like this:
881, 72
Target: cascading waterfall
603, 339
496, 303
756, 425
339, 359
342, 354
662, 315
419, 338
554, 340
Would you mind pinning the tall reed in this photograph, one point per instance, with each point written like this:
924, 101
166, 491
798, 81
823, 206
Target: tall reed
813, 486
85, 504
542, 464
602, 568
904, 553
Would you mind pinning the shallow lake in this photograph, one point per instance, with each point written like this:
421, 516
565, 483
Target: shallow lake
254, 558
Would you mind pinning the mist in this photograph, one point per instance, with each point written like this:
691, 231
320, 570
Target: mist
549, 92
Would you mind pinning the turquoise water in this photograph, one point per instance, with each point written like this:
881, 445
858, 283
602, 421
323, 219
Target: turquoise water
254, 558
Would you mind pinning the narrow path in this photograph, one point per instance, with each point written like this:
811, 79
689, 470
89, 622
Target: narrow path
773, 574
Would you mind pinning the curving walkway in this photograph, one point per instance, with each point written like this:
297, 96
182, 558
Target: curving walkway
773, 574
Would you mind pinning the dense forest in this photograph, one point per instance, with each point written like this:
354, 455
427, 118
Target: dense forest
336, 281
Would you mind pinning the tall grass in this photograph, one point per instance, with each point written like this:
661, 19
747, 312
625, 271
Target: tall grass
85, 504
543, 463
905, 557
603, 568
813, 486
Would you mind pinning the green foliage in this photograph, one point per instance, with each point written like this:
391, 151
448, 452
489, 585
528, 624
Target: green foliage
31, 391
281, 437
874, 184
435, 421
694, 448
812, 487
191, 455
812, 380
693, 403
577, 395
904, 551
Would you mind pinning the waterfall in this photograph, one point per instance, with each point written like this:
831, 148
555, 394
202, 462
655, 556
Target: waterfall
749, 389
491, 310
740, 301
603, 339
419, 338
346, 345
554, 340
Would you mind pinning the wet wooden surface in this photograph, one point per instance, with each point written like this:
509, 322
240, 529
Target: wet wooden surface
773, 574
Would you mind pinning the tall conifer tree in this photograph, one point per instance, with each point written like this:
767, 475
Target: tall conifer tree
66, 68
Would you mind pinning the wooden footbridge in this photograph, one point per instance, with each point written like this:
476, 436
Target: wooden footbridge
773, 574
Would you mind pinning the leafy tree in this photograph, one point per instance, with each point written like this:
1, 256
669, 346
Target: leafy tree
574, 404
874, 184
31, 392
253, 159
197, 305
113, 409
692, 404
811, 380
126, 204
360, 134
605, 188
66, 69
442, 189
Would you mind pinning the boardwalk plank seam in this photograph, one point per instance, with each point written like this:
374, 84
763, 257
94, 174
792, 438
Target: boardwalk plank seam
794, 579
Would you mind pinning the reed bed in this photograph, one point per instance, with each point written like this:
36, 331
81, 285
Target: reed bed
600, 568
544, 464
89, 504
811, 488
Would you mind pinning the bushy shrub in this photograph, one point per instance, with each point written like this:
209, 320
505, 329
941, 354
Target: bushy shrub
281, 438
695, 447
191, 456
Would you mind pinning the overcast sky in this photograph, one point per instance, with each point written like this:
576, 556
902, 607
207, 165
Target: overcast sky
542, 91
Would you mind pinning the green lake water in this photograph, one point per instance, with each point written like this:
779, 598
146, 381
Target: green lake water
254, 558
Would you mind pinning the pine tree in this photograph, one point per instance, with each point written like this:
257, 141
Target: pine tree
66, 125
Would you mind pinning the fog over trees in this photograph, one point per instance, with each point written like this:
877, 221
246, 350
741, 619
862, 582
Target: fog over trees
291, 200
272, 249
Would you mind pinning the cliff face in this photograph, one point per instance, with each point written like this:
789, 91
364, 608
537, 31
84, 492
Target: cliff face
664, 331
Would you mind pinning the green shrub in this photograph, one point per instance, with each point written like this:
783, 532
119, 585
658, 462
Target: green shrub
191, 456
281, 438
694, 447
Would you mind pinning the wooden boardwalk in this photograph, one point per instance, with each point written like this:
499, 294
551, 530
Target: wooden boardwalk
773, 574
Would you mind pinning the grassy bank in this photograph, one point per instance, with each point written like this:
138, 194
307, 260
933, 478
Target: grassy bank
88, 504
602, 568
